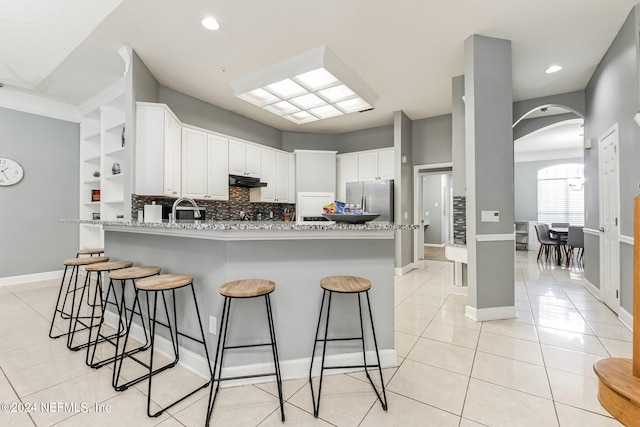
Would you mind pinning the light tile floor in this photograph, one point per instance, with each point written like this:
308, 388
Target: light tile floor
535, 370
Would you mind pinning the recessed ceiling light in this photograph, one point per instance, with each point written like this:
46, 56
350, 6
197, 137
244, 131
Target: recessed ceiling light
553, 69
210, 23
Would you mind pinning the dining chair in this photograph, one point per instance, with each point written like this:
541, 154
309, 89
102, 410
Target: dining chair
546, 243
575, 240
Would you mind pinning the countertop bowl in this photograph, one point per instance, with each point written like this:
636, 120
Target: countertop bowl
351, 218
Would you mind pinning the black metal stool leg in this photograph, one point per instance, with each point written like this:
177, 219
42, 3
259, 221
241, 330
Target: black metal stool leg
375, 344
175, 334
316, 408
59, 310
313, 353
217, 368
274, 349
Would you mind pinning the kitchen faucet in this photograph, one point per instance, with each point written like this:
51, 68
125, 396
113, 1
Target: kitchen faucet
196, 212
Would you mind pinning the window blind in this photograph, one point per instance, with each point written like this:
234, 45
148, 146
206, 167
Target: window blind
557, 201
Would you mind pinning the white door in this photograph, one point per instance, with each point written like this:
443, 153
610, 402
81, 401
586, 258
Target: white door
252, 161
268, 175
609, 214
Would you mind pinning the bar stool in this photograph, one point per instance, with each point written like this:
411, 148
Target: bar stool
69, 288
123, 275
102, 267
153, 285
345, 285
249, 288
89, 251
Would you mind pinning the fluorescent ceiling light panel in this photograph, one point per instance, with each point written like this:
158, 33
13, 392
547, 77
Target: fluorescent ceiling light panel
317, 79
286, 89
301, 117
308, 101
336, 93
315, 82
259, 97
281, 108
325, 112
353, 105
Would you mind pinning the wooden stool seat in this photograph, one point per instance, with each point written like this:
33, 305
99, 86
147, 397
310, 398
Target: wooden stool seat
164, 282
345, 284
85, 260
90, 251
108, 266
247, 288
134, 273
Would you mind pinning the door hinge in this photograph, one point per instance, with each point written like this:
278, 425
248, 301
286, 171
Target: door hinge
617, 294
616, 220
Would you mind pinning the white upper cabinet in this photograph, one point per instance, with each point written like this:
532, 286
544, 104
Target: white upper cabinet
385, 163
158, 153
375, 164
346, 171
217, 168
274, 170
194, 163
204, 165
244, 159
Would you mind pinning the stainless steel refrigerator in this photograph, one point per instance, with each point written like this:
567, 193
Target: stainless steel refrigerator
373, 197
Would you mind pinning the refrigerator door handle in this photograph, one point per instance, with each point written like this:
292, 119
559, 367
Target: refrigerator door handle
363, 205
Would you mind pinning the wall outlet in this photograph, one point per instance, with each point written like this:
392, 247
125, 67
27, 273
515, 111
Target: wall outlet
212, 325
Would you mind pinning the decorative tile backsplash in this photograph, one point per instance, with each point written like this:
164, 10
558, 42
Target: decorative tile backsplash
222, 210
460, 220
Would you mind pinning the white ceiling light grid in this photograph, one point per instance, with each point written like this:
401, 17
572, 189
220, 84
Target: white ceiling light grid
311, 86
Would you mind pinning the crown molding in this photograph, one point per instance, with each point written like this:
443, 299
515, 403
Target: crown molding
39, 105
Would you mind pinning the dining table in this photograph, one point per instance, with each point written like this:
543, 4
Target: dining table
557, 233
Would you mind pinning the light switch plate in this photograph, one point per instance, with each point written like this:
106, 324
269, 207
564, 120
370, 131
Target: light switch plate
490, 216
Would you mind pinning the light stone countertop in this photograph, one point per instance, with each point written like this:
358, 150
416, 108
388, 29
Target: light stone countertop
253, 230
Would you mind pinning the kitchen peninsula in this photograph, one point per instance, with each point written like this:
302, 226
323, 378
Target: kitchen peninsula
294, 256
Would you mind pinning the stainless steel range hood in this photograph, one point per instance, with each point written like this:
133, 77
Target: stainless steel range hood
245, 181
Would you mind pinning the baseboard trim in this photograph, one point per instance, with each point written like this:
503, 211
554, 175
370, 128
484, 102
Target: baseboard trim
459, 290
26, 278
290, 369
592, 288
626, 318
399, 271
492, 313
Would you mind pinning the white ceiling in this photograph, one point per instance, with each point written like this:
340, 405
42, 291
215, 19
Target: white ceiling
560, 140
406, 51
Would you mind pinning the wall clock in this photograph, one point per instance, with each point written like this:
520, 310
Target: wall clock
10, 172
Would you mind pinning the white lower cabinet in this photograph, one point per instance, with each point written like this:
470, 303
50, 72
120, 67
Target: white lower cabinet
204, 165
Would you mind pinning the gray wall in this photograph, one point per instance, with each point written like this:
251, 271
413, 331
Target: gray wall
572, 100
525, 178
47, 149
432, 140
365, 139
457, 137
527, 126
431, 195
309, 141
612, 97
489, 162
196, 112
403, 188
